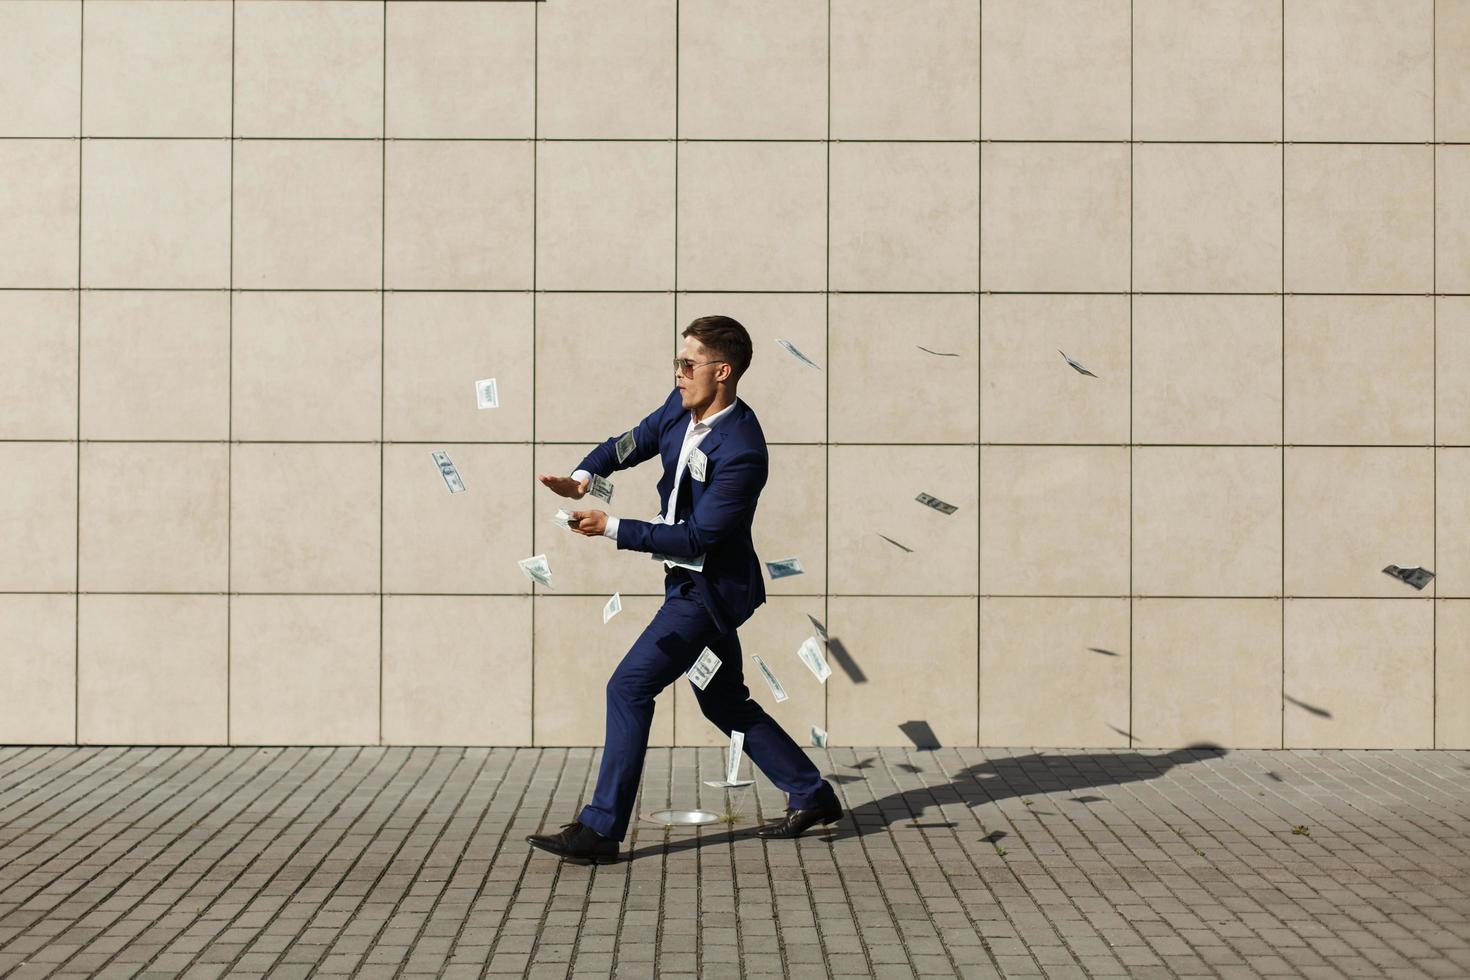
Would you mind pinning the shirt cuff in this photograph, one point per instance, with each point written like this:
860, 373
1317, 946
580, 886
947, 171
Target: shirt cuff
580, 475
611, 531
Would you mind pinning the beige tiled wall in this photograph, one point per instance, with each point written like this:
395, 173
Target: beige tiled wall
253, 256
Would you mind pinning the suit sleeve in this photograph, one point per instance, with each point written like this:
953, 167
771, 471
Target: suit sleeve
727, 504
604, 458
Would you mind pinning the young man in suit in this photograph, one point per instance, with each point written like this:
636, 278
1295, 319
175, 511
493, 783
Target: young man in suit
715, 464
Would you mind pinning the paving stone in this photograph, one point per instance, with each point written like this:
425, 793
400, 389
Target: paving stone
398, 861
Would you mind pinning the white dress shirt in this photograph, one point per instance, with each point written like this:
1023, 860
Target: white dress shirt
693, 436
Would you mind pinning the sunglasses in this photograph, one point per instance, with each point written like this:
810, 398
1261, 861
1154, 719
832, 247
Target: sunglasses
686, 367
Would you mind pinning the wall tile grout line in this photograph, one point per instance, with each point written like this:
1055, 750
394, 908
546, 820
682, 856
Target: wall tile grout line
721, 139
1132, 381
1434, 367
230, 418
673, 701
1282, 329
532, 596
76, 668
827, 389
1031, 445
1357, 294
979, 353
382, 370
793, 595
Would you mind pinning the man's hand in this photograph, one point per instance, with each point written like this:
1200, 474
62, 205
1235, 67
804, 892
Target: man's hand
566, 486
589, 522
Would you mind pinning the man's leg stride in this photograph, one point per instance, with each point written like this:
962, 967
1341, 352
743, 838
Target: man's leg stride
726, 702
664, 651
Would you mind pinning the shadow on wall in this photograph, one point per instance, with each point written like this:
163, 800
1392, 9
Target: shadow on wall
1034, 774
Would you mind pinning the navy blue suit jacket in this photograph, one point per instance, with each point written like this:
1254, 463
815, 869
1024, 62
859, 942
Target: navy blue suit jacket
716, 512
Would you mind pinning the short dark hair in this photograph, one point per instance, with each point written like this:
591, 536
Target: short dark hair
726, 337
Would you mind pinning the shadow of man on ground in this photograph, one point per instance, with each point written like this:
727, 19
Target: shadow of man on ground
1033, 774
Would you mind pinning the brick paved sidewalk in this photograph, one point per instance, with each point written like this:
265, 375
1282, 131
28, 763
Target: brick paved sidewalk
379, 862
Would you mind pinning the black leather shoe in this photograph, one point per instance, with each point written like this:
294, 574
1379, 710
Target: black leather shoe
797, 821
578, 844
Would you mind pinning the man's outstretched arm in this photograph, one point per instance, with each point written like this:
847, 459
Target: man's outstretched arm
603, 460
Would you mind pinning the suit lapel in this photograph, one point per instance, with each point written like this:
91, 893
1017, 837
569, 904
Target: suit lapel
707, 445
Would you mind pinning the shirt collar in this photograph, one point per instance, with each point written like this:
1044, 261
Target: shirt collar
710, 420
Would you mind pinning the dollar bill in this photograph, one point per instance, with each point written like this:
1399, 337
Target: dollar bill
791, 349
810, 653
563, 517
704, 668
613, 607
537, 570
819, 737
695, 564
601, 488
893, 542
936, 503
1417, 576
1074, 364
728, 783
732, 758
784, 567
775, 685
447, 470
696, 464
817, 625
486, 395
625, 445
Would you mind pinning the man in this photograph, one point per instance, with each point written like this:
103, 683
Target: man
715, 464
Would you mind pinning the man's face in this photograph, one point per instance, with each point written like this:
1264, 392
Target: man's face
702, 387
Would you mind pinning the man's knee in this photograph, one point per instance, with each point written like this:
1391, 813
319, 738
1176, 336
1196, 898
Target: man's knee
725, 712
628, 687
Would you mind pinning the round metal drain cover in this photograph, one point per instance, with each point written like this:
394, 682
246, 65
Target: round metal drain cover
687, 818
